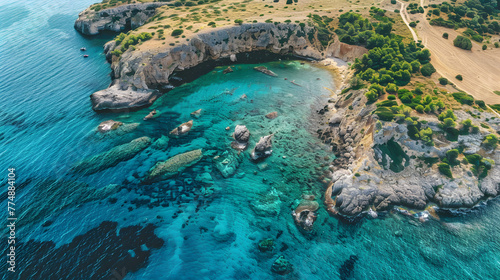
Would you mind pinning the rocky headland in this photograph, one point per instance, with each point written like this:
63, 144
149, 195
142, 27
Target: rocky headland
117, 19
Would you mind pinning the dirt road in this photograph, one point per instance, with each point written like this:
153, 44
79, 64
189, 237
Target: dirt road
480, 69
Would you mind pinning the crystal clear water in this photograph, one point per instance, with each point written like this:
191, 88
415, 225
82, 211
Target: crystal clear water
210, 225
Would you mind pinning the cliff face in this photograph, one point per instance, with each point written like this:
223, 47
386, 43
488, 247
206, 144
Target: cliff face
121, 18
144, 73
379, 166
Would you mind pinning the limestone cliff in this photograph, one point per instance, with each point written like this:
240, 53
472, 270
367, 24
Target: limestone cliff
117, 19
141, 75
379, 166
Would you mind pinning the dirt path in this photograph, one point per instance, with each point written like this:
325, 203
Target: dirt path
405, 17
480, 69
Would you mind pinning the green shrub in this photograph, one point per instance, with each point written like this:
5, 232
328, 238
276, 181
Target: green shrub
481, 104
413, 24
484, 47
497, 45
427, 70
177, 32
445, 35
384, 113
459, 77
444, 169
463, 98
288, 2
443, 81
238, 21
462, 42
391, 97
490, 141
393, 2
391, 88
452, 156
419, 108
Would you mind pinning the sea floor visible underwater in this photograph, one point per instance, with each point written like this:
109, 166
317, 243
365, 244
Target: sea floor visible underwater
197, 225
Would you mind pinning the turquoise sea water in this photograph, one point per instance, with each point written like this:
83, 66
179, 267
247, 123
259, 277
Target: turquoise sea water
210, 229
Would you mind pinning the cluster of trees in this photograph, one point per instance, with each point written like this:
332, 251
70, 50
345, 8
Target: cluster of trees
325, 32
415, 8
475, 14
462, 42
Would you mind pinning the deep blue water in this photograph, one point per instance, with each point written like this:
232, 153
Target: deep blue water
210, 230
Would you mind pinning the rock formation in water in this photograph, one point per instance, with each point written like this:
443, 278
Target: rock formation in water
282, 266
140, 76
305, 213
241, 137
262, 148
108, 125
117, 19
182, 129
266, 71
112, 157
166, 169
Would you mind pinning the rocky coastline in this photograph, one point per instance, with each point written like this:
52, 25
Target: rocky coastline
364, 178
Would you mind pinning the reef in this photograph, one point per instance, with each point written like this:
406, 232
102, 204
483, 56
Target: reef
173, 166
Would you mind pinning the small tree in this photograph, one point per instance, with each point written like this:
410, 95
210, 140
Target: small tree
238, 21
490, 141
445, 35
443, 81
484, 47
427, 70
459, 77
462, 42
444, 169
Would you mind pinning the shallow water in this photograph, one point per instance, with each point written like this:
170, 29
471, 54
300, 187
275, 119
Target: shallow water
211, 231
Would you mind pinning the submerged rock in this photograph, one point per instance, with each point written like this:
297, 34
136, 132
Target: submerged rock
266, 71
161, 143
227, 70
182, 129
112, 157
241, 136
282, 266
263, 148
166, 169
347, 267
268, 205
272, 115
108, 125
266, 245
228, 163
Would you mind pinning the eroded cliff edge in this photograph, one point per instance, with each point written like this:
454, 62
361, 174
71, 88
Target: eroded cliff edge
143, 74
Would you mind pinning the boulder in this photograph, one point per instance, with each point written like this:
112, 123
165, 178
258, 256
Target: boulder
116, 99
241, 136
266, 71
182, 129
263, 148
227, 70
108, 125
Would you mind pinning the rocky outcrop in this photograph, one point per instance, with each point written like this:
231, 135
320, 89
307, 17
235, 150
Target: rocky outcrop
148, 71
266, 71
378, 166
166, 169
263, 148
305, 213
118, 99
117, 19
112, 157
108, 125
182, 129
